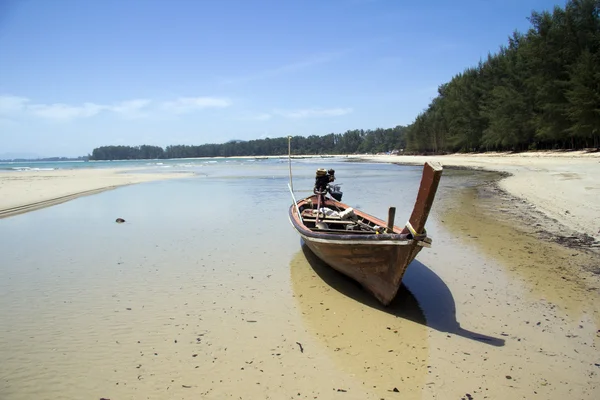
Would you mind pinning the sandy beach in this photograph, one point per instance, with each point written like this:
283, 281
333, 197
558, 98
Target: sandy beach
23, 191
183, 301
565, 186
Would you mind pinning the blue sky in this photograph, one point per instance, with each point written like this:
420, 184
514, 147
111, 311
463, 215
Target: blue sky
78, 74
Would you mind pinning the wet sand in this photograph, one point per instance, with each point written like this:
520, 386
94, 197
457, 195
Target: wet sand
25, 191
184, 301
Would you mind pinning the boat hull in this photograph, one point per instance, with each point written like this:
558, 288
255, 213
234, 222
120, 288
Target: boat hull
376, 260
377, 265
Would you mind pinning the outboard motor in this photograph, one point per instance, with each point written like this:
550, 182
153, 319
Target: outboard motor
323, 179
335, 192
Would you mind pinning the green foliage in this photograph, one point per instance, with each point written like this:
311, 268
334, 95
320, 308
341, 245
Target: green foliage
357, 141
540, 91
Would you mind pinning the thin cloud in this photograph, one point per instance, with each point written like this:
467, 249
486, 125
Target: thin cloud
16, 106
132, 108
314, 112
12, 104
65, 112
314, 60
185, 105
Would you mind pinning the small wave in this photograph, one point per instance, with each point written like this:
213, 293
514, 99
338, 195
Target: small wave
31, 169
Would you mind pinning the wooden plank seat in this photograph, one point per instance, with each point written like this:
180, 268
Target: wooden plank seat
342, 231
311, 214
329, 221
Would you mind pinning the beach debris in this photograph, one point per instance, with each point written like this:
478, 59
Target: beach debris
508, 377
186, 386
395, 390
119, 220
342, 390
301, 348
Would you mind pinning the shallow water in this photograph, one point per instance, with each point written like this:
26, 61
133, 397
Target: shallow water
177, 163
207, 292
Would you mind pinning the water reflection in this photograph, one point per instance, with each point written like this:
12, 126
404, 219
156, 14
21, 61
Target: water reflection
377, 348
423, 298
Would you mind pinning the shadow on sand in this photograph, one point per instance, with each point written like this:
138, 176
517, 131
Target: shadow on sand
423, 298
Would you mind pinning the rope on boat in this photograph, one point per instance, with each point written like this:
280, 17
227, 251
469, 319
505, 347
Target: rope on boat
295, 202
290, 162
416, 236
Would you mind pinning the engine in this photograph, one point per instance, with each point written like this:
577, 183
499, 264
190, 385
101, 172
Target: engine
323, 179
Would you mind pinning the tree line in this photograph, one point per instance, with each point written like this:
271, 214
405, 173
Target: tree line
350, 142
540, 91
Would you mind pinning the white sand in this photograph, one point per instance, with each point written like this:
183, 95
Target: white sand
564, 186
29, 190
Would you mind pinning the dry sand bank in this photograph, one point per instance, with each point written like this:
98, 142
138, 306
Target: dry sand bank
563, 186
25, 191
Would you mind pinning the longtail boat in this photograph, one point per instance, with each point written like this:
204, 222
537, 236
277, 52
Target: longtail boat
369, 250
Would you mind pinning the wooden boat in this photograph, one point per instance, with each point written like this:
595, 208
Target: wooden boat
367, 249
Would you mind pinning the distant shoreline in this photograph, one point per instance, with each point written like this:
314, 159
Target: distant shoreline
533, 153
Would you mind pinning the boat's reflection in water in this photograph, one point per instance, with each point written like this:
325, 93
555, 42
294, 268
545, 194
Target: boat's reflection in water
375, 347
423, 298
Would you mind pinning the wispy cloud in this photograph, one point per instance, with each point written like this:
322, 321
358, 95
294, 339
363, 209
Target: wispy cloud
15, 106
185, 105
132, 108
12, 104
316, 59
63, 111
314, 112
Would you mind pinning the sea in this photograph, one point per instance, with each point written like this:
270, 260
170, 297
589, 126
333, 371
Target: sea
179, 163
207, 292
